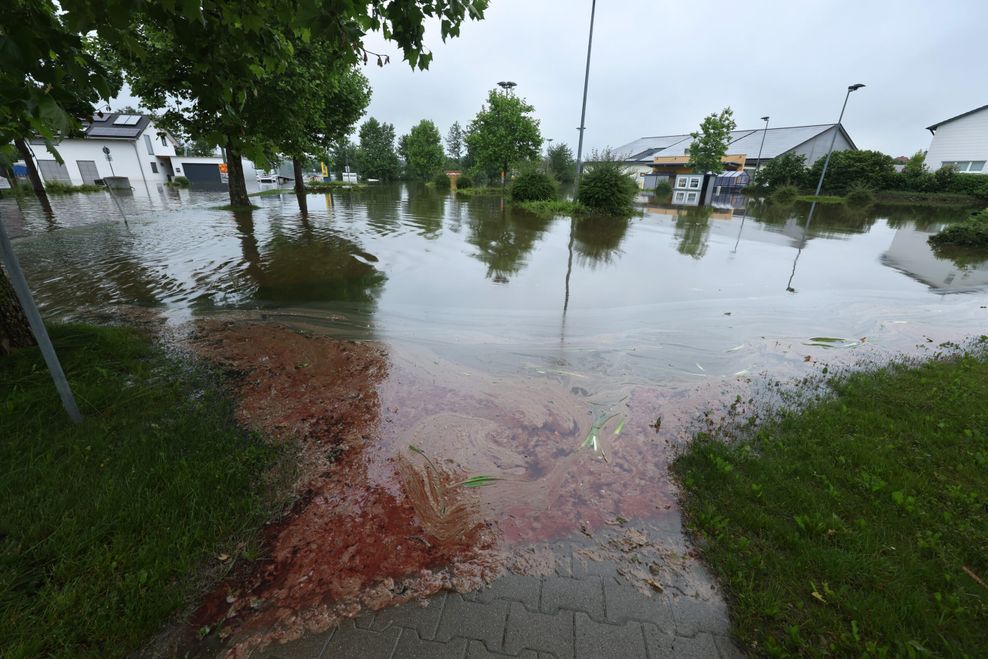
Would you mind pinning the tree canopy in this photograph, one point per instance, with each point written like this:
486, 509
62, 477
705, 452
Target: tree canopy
422, 149
503, 132
376, 155
562, 164
709, 144
454, 143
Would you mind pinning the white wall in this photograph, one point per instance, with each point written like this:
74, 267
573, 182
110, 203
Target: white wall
816, 148
959, 140
130, 159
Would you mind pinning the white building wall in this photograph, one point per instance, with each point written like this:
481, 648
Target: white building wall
130, 159
817, 147
960, 140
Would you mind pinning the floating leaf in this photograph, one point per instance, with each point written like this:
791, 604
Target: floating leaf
827, 339
479, 481
620, 426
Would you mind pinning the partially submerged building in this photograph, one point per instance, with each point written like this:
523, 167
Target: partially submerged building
666, 156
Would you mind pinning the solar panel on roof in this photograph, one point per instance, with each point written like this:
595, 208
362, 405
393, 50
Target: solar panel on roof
112, 131
126, 119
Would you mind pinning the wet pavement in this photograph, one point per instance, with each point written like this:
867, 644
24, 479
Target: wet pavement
478, 396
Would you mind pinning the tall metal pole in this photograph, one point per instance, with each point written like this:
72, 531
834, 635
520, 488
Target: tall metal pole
583, 113
833, 140
23, 292
762, 145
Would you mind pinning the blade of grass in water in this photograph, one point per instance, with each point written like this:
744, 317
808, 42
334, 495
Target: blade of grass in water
620, 426
479, 481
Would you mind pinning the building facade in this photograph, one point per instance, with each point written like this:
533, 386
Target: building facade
960, 142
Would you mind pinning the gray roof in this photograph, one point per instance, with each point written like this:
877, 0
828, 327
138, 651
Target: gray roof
777, 141
933, 128
105, 128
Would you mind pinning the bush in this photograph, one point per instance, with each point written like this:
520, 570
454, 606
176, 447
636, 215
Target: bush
859, 195
464, 181
533, 185
58, 187
870, 168
785, 194
663, 189
441, 181
606, 188
179, 182
787, 169
972, 232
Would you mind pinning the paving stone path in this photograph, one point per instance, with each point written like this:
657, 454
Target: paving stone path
586, 610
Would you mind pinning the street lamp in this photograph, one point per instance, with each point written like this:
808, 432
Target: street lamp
507, 85
826, 162
762, 146
583, 112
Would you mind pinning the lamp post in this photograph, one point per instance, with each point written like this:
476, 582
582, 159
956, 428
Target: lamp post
583, 112
507, 86
762, 145
833, 140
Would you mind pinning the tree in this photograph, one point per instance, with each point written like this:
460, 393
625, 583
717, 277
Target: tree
562, 164
916, 166
422, 149
503, 132
205, 63
787, 169
342, 154
376, 155
709, 145
454, 143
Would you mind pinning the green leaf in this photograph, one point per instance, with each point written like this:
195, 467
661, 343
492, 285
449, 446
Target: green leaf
479, 481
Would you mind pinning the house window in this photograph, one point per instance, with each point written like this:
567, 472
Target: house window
178, 170
691, 198
148, 145
977, 166
964, 165
163, 141
694, 182
154, 167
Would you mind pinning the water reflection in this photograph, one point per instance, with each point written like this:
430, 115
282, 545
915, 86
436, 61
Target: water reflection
598, 239
504, 241
693, 230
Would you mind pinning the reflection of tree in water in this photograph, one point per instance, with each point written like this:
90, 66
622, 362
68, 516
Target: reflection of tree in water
598, 239
424, 209
829, 220
503, 240
693, 230
303, 264
381, 203
922, 218
965, 258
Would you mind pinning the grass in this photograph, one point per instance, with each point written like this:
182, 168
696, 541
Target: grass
57, 187
897, 197
822, 199
234, 208
481, 191
275, 192
852, 527
106, 526
552, 207
329, 186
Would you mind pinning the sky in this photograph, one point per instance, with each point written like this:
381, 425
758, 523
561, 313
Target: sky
658, 67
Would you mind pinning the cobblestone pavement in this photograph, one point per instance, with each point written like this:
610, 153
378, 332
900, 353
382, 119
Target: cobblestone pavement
586, 609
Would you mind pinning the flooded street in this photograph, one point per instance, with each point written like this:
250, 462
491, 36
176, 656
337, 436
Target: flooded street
465, 378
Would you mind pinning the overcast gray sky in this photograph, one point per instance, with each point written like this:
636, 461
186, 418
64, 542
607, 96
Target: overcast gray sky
659, 66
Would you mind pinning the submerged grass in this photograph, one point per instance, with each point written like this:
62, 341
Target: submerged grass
482, 191
106, 526
858, 526
552, 207
58, 187
822, 199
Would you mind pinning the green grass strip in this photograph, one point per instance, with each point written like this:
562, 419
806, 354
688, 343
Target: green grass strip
852, 528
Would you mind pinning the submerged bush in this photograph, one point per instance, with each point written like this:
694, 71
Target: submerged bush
441, 181
663, 189
606, 188
972, 232
464, 181
533, 185
179, 182
785, 194
859, 195
58, 187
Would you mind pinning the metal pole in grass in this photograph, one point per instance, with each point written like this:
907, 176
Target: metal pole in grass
583, 112
833, 140
23, 292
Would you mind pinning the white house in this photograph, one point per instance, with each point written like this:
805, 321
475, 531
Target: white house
138, 150
639, 156
960, 142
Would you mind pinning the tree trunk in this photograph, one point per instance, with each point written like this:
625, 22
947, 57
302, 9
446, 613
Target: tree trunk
235, 177
32, 174
299, 185
14, 329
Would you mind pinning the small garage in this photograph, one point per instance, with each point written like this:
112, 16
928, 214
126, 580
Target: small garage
201, 174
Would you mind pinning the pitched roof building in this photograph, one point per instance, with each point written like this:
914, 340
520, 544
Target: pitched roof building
960, 142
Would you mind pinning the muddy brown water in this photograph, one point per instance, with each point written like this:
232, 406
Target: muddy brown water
412, 341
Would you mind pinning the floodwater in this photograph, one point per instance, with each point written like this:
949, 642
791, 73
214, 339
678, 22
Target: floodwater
559, 361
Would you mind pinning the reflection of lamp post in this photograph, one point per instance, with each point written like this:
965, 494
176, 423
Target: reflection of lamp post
761, 146
833, 140
583, 113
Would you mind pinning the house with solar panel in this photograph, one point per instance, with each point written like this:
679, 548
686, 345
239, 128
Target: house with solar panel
661, 158
130, 151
